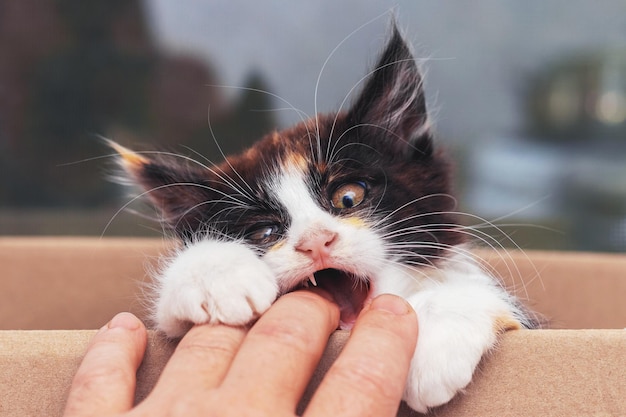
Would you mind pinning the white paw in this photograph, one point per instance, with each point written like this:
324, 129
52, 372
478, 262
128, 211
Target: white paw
213, 282
443, 365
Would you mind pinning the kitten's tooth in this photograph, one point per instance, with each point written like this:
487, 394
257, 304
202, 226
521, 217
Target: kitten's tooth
312, 279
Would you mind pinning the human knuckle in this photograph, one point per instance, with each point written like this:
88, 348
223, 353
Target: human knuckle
290, 334
228, 404
371, 376
94, 378
223, 344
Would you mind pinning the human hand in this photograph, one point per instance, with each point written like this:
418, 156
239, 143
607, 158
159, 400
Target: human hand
263, 371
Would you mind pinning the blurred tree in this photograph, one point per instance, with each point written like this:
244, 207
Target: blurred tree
76, 91
97, 72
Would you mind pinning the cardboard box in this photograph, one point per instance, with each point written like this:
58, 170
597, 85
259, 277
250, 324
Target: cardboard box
54, 288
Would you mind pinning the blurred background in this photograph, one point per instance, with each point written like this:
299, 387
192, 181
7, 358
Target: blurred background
530, 97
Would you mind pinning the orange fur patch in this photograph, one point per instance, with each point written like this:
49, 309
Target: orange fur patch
505, 323
131, 158
296, 160
277, 245
321, 166
353, 221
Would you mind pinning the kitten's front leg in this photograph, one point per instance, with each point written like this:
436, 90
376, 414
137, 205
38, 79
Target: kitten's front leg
458, 323
212, 282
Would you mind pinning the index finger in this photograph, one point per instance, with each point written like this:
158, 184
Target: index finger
199, 363
369, 376
280, 353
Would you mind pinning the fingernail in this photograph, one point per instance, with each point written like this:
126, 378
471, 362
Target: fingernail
391, 303
126, 321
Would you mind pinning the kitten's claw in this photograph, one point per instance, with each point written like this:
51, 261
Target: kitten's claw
213, 282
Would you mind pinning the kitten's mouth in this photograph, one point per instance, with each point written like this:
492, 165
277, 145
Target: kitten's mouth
349, 291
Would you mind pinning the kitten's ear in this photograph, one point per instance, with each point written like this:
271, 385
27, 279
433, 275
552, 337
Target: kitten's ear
392, 103
176, 189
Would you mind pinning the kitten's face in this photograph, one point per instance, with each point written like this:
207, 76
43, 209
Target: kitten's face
332, 201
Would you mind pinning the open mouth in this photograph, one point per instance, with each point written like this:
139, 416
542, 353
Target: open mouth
349, 291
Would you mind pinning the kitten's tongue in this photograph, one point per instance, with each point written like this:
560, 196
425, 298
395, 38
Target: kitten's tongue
349, 294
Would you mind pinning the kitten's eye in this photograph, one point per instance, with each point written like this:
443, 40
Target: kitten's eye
348, 195
263, 234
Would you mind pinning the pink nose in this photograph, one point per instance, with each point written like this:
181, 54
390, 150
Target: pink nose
317, 244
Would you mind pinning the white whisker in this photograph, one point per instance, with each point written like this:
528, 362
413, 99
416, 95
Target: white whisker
319, 77
219, 148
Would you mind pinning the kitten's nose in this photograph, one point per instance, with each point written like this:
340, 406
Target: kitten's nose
317, 244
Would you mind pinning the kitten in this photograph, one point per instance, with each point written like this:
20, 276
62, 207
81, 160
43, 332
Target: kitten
357, 203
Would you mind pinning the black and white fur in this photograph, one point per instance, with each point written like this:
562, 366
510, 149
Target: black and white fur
355, 201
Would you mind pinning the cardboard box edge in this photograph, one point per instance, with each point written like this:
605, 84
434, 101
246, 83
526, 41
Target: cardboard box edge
36, 368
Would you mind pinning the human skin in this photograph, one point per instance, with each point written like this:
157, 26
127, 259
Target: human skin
261, 371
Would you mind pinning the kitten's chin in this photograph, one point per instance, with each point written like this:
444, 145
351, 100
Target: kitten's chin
349, 291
